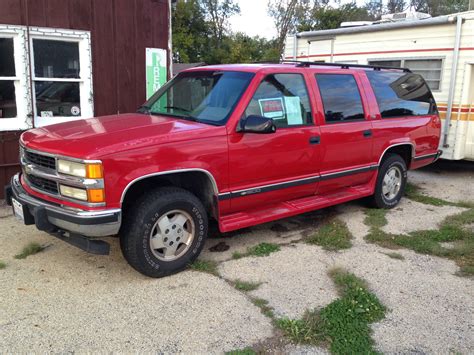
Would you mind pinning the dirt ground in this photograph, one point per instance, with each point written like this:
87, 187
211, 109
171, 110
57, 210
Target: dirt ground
64, 300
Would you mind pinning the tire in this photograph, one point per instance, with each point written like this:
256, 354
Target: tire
389, 190
165, 220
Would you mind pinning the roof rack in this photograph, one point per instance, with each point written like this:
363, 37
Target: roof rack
342, 65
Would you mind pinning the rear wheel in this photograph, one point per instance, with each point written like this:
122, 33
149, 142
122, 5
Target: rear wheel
391, 182
164, 232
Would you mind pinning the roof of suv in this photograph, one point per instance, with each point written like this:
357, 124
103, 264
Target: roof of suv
256, 67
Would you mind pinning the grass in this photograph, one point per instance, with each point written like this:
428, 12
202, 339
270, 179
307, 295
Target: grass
343, 325
264, 307
246, 351
413, 192
332, 236
205, 266
394, 255
452, 229
262, 249
2, 265
246, 286
30, 249
375, 217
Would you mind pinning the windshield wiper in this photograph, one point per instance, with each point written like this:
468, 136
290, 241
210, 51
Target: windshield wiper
178, 108
144, 109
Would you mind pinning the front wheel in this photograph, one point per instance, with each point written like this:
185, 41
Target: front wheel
391, 182
164, 232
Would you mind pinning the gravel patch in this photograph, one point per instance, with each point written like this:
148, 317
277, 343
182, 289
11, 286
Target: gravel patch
63, 300
410, 216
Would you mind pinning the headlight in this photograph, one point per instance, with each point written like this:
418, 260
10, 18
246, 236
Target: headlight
91, 171
73, 192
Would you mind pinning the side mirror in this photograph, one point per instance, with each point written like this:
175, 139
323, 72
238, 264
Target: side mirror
256, 124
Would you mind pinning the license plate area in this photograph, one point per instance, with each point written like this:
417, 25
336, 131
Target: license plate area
18, 210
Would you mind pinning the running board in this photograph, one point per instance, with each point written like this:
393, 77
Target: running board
290, 208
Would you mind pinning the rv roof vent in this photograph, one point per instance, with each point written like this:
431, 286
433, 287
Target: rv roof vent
405, 16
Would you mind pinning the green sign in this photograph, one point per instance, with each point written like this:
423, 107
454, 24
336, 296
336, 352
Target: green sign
156, 70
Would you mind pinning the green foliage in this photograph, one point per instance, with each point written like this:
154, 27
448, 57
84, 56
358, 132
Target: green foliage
453, 229
246, 351
332, 236
262, 249
30, 249
413, 192
375, 217
205, 266
2, 265
246, 286
264, 307
344, 323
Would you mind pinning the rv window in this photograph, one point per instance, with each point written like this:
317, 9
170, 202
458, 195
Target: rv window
7, 81
430, 69
341, 97
401, 94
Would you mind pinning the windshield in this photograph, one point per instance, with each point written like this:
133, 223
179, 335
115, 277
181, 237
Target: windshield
202, 96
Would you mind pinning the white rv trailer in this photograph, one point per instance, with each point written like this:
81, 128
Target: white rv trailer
440, 48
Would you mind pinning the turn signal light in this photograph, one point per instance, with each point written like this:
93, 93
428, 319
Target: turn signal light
94, 171
96, 195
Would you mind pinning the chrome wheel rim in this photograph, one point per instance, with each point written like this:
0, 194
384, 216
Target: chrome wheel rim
392, 183
172, 235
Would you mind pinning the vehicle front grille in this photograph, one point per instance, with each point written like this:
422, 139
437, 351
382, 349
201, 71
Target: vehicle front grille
40, 160
42, 184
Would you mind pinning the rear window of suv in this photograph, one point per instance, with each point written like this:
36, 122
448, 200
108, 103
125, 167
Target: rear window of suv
401, 94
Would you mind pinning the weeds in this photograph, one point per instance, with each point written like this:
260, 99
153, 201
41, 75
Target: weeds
30, 249
246, 286
246, 351
332, 236
413, 193
395, 256
262, 249
264, 307
344, 323
205, 266
375, 217
2, 265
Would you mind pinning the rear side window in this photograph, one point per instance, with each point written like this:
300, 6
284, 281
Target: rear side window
283, 98
401, 94
341, 97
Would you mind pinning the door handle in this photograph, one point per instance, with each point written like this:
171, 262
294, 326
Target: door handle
315, 140
367, 133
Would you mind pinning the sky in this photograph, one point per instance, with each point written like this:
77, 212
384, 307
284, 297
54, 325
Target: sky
254, 19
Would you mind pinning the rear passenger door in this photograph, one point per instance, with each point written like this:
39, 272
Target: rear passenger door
346, 131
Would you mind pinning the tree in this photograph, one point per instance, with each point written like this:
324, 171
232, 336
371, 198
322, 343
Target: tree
440, 7
190, 32
394, 6
283, 13
327, 17
218, 13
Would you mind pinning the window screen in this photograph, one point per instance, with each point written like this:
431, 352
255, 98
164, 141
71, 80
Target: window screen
401, 94
284, 98
341, 97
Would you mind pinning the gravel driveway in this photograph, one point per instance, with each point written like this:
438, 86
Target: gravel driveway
64, 300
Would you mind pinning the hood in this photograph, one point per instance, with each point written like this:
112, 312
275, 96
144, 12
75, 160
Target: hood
97, 137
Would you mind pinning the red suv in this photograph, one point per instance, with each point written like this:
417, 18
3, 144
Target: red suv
239, 144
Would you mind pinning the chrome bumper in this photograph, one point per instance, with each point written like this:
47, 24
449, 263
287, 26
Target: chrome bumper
44, 214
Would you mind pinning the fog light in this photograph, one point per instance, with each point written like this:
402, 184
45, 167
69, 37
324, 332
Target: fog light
73, 192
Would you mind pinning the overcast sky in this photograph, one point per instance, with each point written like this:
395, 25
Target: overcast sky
254, 19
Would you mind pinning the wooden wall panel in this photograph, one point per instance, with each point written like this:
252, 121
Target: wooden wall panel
57, 14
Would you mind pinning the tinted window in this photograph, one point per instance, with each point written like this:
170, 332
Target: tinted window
7, 63
401, 94
284, 98
56, 59
341, 97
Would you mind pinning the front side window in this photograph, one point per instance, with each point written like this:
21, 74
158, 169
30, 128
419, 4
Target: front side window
283, 98
56, 78
341, 97
401, 94
7, 79
203, 96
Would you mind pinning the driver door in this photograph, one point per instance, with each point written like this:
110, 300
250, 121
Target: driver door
280, 166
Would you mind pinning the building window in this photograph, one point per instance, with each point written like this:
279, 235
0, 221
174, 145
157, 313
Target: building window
429, 69
7, 79
341, 97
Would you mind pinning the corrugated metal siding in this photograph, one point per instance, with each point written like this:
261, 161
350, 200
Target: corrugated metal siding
120, 32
